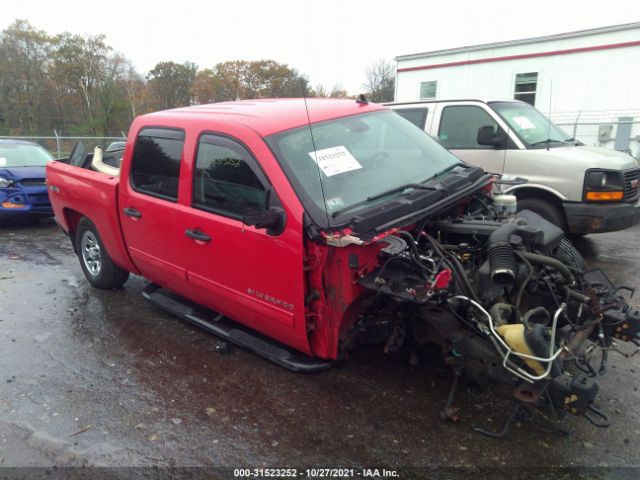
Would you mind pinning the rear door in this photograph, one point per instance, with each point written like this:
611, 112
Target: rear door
149, 210
242, 272
457, 130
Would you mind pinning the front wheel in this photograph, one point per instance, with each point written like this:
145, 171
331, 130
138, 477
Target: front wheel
545, 209
94, 259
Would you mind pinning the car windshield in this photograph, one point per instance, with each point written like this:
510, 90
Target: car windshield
349, 162
533, 128
23, 155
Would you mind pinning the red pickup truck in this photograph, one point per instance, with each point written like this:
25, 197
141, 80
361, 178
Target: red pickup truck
302, 229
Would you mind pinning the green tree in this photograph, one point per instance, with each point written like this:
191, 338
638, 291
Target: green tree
25, 90
170, 84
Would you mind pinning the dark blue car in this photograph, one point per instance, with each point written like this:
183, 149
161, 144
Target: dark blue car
23, 190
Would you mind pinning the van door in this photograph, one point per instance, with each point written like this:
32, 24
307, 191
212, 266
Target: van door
242, 272
457, 130
149, 210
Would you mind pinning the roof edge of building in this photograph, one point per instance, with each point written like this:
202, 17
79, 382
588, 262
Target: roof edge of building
523, 41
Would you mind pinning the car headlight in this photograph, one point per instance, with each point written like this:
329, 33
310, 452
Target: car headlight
5, 182
604, 186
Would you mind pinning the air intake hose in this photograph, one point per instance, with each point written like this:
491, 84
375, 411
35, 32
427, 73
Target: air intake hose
502, 260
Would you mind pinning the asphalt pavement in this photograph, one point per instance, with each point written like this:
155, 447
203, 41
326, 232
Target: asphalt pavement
104, 378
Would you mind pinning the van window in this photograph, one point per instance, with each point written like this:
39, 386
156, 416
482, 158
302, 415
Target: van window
155, 167
459, 127
417, 116
225, 179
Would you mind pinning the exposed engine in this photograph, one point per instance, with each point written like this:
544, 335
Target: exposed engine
507, 299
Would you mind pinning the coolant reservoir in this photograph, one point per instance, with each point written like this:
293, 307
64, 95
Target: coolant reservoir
506, 204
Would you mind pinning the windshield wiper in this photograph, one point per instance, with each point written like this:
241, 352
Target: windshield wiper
547, 141
401, 188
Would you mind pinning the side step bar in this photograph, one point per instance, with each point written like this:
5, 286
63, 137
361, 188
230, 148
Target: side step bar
233, 332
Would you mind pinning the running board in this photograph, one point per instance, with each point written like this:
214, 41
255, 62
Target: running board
233, 332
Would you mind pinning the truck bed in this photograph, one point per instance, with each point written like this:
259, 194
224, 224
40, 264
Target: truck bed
76, 192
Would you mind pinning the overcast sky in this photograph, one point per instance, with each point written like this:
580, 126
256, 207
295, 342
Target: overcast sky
330, 41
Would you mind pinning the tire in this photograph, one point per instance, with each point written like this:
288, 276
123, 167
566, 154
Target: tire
570, 256
94, 259
545, 209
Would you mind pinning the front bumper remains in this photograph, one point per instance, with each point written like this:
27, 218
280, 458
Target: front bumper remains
583, 218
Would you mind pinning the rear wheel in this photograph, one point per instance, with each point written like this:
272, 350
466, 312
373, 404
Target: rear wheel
545, 209
94, 259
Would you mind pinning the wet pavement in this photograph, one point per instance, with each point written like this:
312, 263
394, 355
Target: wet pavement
90, 377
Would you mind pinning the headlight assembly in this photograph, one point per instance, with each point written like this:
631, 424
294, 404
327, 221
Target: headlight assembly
5, 182
604, 186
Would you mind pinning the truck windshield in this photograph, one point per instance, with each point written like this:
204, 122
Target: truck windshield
355, 162
23, 155
533, 128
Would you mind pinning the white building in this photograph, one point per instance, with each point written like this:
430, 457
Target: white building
589, 77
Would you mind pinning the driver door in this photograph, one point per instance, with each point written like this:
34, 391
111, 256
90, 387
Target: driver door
245, 273
458, 132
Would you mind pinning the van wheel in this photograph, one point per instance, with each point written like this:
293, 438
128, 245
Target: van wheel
569, 255
94, 259
545, 209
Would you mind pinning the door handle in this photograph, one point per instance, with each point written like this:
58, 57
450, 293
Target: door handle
132, 212
197, 235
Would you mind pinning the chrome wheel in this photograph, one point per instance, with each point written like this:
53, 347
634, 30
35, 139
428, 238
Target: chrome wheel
91, 255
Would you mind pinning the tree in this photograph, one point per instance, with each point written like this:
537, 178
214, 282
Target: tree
25, 90
338, 92
242, 79
170, 83
380, 82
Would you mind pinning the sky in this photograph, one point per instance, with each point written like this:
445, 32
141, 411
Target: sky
332, 42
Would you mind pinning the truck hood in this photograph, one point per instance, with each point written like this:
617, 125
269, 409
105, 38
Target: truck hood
20, 173
594, 157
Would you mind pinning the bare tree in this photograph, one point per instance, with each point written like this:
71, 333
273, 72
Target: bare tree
381, 81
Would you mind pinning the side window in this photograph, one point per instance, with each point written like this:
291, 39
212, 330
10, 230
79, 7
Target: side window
417, 116
459, 127
155, 167
226, 179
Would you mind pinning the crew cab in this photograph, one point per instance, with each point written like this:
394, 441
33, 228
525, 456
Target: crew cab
22, 179
581, 189
302, 229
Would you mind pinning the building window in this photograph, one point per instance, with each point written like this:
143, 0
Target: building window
525, 89
428, 90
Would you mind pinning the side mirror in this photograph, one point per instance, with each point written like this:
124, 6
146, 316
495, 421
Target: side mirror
273, 219
487, 136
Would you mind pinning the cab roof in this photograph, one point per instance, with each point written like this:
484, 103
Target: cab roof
268, 116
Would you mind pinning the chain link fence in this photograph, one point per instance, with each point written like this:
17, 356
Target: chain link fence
608, 129
60, 146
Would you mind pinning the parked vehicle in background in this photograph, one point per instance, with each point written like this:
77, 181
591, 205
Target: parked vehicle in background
301, 230
23, 190
581, 189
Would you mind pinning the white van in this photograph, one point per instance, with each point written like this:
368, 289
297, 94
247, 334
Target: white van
581, 189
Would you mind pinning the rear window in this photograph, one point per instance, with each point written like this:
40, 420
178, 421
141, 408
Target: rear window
155, 167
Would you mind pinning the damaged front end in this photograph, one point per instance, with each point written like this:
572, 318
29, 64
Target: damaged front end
506, 299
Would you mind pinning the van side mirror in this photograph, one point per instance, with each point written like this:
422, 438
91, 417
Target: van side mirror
487, 136
273, 219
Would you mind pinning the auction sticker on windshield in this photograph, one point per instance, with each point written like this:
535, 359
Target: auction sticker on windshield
335, 160
3, 162
524, 123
